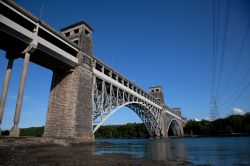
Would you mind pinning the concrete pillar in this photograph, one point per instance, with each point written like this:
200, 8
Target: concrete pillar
5, 89
15, 130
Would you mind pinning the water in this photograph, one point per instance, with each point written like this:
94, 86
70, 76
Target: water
198, 150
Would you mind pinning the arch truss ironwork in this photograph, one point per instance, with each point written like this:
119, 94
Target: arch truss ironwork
112, 91
108, 98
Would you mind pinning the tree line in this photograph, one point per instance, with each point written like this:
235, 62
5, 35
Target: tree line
129, 130
228, 125
32, 131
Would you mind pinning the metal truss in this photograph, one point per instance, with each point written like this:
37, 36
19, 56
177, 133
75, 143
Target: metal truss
108, 98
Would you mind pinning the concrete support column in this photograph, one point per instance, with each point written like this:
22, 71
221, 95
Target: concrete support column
15, 130
5, 90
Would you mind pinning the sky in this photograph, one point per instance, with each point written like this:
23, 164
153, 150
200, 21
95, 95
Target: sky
152, 42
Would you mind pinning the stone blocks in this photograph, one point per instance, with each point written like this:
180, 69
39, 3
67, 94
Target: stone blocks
70, 104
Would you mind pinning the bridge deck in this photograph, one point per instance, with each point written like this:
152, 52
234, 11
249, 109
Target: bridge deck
17, 30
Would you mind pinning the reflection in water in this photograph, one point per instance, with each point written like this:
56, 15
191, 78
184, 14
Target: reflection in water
165, 150
156, 149
135, 147
199, 150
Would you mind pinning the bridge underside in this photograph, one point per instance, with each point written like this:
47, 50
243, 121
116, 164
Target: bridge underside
14, 43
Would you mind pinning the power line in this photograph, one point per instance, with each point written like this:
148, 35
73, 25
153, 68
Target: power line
244, 79
238, 57
214, 112
241, 93
223, 46
215, 42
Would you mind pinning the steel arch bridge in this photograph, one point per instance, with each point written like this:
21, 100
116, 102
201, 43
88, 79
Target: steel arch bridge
111, 91
84, 91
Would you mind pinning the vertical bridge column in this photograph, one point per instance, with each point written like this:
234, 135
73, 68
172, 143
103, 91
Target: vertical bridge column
5, 89
15, 130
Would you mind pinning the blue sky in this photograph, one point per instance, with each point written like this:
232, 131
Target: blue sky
163, 42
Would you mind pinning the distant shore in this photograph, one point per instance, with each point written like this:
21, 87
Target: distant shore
220, 135
37, 151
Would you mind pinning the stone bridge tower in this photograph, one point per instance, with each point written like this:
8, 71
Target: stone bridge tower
157, 92
70, 109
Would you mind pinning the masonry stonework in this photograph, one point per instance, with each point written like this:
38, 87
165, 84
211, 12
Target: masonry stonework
70, 102
171, 123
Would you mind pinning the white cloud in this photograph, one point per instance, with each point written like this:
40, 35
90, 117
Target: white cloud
197, 120
237, 111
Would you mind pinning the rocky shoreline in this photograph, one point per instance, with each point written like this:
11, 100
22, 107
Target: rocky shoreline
38, 151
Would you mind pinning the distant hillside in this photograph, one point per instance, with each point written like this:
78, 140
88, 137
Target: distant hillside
229, 125
32, 131
130, 130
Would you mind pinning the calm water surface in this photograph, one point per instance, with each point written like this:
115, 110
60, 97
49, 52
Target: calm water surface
198, 150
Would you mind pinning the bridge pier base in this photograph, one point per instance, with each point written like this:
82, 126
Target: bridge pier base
69, 113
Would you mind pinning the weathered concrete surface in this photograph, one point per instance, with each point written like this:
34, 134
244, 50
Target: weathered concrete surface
14, 132
5, 90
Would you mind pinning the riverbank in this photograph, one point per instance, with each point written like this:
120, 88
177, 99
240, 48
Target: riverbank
37, 151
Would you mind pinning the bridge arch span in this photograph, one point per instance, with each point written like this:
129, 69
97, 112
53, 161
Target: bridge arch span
174, 128
142, 110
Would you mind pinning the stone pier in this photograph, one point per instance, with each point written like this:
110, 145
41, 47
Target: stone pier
70, 103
